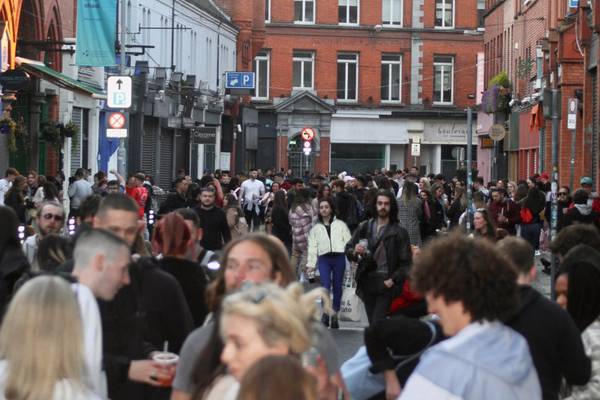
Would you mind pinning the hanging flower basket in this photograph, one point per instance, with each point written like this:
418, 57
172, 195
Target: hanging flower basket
51, 133
8, 127
70, 130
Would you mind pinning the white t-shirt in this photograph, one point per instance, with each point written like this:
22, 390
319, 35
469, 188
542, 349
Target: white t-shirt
253, 191
92, 335
64, 389
5, 184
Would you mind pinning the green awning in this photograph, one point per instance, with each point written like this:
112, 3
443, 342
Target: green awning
42, 71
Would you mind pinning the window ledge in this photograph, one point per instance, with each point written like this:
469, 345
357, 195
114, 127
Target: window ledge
444, 27
348, 24
304, 23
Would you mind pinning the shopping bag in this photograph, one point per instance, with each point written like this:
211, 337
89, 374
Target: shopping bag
350, 307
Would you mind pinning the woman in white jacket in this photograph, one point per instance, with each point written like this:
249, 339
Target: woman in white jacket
326, 243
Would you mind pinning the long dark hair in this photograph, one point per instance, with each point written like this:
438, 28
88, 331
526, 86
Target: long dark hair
280, 200
9, 236
409, 192
535, 200
393, 205
582, 264
19, 180
329, 201
208, 366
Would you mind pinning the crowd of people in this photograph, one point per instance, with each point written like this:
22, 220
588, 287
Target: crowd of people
202, 290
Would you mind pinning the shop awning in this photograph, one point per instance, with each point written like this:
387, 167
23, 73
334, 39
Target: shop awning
43, 71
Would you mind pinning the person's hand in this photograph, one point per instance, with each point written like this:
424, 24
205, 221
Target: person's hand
388, 283
326, 387
150, 372
392, 385
359, 249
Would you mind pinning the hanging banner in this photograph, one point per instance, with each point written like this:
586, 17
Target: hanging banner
96, 33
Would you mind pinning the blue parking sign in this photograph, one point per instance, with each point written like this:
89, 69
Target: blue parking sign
239, 80
573, 3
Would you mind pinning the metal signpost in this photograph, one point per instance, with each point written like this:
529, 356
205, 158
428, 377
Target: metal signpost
572, 126
469, 167
556, 106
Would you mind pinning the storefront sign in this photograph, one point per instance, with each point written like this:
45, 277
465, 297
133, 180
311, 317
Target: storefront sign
497, 132
225, 161
4, 65
204, 135
441, 132
96, 32
14, 79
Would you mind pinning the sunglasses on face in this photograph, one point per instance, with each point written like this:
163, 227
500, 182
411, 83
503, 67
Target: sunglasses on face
57, 218
562, 193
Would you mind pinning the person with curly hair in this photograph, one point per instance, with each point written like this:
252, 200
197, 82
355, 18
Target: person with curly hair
472, 292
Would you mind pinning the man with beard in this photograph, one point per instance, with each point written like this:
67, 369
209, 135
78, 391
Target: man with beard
50, 219
382, 249
214, 223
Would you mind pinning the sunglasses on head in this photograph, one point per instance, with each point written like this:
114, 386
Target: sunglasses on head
56, 217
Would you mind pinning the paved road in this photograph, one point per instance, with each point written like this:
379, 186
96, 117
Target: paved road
350, 335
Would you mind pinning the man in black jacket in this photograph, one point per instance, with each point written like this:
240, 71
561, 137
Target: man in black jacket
144, 314
213, 220
382, 249
554, 340
177, 199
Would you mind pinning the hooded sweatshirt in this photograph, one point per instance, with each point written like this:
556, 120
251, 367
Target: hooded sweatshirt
485, 360
579, 214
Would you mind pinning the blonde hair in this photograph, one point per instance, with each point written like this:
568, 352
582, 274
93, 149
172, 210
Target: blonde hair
282, 315
41, 339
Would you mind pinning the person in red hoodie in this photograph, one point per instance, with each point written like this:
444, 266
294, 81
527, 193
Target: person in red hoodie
504, 211
136, 190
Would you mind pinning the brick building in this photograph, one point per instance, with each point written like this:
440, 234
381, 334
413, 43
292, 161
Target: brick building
536, 44
369, 76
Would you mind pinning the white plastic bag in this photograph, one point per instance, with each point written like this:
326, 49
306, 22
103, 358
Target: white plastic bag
350, 309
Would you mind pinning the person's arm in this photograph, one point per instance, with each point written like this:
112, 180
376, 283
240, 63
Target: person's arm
351, 245
312, 248
225, 232
404, 254
219, 195
120, 178
72, 190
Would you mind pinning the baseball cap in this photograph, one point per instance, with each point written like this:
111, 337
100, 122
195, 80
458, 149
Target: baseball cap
586, 180
544, 175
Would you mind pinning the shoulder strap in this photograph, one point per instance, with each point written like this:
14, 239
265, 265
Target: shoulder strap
407, 359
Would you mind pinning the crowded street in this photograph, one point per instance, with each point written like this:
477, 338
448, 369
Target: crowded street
299, 200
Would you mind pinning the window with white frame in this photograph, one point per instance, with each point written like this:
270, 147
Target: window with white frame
443, 79
392, 12
303, 69
267, 10
261, 69
444, 13
347, 77
304, 11
391, 81
348, 11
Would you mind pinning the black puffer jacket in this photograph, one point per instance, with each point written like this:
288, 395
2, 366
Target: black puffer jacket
13, 264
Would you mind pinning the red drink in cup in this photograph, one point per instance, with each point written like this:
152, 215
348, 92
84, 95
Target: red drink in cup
166, 360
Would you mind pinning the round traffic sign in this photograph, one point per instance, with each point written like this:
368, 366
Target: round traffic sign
497, 132
308, 134
116, 120
306, 144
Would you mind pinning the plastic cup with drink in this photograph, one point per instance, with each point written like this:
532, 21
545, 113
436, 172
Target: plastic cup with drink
168, 361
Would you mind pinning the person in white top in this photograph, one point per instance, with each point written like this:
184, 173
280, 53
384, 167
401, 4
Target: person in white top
41, 344
101, 268
50, 219
251, 193
79, 190
6, 182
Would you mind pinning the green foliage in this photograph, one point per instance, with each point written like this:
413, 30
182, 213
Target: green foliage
500, 80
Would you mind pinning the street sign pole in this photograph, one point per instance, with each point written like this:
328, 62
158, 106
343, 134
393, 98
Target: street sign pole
469, 166
121, 152
572, 126
556, 106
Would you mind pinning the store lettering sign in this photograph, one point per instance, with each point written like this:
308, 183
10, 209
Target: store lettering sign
441, 132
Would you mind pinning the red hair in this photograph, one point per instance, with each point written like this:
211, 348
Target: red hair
171, 235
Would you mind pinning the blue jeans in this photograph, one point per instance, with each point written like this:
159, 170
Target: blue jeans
531, 233
331, 268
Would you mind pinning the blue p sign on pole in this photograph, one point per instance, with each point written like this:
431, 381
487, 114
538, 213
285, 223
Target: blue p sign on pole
239, 80
573, 3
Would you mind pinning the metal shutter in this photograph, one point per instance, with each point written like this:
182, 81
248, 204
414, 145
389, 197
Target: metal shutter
165, 175
77, 118
595, 125
150, 146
